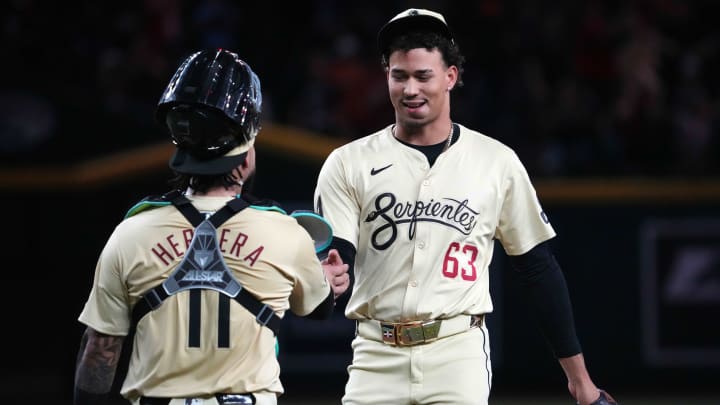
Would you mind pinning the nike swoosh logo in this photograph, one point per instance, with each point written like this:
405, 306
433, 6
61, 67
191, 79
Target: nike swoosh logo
375, 171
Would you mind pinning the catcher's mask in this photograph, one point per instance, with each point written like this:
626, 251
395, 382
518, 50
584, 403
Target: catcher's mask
211, 107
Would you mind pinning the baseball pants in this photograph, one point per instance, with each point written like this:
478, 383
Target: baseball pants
453, 370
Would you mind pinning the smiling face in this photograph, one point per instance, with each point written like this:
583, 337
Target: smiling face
419, 84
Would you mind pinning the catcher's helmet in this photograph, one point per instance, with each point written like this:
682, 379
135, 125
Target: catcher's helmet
211, 108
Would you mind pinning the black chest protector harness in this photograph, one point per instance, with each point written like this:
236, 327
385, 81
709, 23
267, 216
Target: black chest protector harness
203, 267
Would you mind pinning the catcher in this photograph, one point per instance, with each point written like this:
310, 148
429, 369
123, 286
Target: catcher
201, 276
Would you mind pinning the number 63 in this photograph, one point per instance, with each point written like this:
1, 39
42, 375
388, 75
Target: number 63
451, 265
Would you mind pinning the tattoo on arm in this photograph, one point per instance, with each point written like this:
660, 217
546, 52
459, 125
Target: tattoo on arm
97, 361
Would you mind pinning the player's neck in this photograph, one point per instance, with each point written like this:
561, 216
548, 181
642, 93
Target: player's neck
425, 135
218, 192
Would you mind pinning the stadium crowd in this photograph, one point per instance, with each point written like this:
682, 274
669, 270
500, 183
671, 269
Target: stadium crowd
578, 88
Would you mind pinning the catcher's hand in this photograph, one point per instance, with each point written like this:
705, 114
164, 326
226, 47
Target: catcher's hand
604, 399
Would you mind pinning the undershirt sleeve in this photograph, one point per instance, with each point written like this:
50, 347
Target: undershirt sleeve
543, 283
325, 309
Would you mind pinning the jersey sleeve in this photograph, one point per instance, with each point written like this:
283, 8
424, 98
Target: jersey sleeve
311, 288
335, 200
522, 223
107, 308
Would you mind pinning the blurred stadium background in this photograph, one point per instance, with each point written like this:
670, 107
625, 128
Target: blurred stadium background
614, 106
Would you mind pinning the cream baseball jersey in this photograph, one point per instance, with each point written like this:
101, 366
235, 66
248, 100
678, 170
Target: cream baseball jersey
425, 235
269, 254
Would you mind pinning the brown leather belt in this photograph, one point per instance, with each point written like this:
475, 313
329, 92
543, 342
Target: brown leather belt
416, 332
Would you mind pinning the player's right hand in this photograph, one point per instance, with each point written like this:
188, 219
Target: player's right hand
595, 397
336, 272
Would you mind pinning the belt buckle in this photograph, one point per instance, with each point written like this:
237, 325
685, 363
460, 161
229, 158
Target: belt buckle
409, 334
431, 330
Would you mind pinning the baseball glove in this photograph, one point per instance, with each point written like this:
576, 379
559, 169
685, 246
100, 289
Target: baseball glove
605, 399
318, 227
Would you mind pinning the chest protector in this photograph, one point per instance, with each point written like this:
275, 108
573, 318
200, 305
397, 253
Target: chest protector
203, 266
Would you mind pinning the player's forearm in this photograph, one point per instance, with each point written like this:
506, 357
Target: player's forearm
96, 365
82, 397
580, 385
575, 370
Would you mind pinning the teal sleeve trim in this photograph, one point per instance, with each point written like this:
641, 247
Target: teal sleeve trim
268, 208
144, 205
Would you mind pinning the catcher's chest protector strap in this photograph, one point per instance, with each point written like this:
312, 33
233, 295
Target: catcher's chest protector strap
203, 267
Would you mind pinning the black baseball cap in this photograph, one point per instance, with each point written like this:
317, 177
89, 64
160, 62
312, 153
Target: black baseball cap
410, 20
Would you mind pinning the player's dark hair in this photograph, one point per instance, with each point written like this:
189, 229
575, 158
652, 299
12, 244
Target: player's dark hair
429, 40
202, 183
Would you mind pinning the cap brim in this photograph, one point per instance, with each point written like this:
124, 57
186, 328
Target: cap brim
185, 163
411, 23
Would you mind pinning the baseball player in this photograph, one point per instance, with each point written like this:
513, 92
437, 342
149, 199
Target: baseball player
200, 277
415, 209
